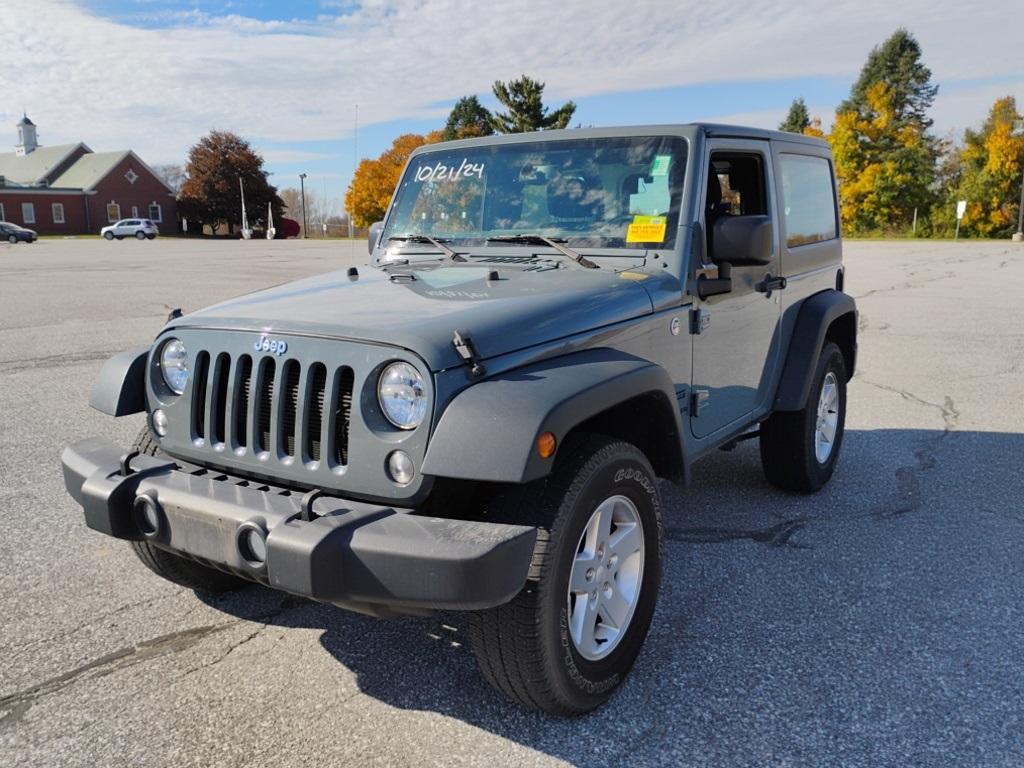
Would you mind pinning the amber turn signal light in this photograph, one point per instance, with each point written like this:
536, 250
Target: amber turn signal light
546, 445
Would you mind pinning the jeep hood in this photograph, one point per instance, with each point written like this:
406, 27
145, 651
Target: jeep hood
420, 308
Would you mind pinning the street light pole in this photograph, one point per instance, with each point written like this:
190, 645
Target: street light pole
305, 219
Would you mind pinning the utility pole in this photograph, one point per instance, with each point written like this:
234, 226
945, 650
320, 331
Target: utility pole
305, 219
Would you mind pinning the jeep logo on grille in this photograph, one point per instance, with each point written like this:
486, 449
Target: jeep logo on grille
267, 344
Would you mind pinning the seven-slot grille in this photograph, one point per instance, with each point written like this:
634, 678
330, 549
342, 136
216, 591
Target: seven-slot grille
265, 405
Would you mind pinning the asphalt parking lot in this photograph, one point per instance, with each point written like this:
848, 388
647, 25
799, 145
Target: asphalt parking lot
876, 623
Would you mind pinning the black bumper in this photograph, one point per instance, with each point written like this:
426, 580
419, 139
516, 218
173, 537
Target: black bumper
340, 551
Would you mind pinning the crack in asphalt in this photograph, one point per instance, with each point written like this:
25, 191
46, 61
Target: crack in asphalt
907, 497
18, 649
54, 361
16, 705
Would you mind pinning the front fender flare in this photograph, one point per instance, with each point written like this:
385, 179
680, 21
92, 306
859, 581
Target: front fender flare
120, 389
489, 431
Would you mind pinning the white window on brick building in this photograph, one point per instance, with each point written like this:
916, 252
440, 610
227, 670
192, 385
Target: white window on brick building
57, 209
28, 213
3, 216
156, 213
113, 212
135, 211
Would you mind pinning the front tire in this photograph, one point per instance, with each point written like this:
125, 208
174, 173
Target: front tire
108, 235
140, 235
568, 640
799, 449
174, 568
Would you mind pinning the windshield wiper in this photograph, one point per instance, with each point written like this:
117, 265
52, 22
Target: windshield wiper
529, 238
439, 244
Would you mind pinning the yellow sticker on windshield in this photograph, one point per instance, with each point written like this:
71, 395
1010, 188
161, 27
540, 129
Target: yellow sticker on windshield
646, 229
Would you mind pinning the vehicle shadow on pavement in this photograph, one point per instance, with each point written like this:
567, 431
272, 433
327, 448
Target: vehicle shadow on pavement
789, 627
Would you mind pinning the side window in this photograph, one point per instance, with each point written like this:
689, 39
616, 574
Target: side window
809, 200
739, 179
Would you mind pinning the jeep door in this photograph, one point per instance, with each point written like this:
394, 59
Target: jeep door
736, 353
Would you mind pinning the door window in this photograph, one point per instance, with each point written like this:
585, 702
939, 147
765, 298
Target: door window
809, 198
736, 187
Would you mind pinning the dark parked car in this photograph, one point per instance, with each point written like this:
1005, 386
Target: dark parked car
12, 233
551, 324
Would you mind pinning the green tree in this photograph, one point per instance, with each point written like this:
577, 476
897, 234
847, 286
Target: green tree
467, 119
798, 118
885, 158
211, 195
524, 100
897, 63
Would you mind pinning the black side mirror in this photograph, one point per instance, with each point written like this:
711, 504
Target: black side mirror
742, 241
373, 235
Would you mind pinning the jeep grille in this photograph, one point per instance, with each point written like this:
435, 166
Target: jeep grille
223, 406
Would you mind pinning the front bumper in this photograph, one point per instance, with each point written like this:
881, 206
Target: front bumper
339, 551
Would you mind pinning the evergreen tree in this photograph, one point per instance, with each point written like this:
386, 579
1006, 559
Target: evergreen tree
885, 158
798, 118
897, 63
523, 98
467, 119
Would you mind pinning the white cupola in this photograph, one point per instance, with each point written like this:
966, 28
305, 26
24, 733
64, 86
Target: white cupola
26, 137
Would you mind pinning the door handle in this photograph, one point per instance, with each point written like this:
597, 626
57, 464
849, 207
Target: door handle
770, 284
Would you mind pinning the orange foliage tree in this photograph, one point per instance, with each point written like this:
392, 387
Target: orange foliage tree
370, 192
989, 175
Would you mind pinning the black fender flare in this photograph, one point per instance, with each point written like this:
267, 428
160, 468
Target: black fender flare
489, 431
120, 389
817, 313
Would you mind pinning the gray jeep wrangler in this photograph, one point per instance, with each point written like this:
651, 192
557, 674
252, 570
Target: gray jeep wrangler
478, 420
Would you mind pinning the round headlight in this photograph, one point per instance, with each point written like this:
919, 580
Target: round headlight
174, 365
402, 395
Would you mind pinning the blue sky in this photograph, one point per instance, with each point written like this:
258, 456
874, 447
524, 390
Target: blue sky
154, 75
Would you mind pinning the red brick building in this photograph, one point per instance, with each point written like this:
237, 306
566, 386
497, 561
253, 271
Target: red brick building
70, 190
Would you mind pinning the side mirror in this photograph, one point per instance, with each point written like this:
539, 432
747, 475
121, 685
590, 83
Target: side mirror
742, 241
373, 235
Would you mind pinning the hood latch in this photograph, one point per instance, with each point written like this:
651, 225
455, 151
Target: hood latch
464, 345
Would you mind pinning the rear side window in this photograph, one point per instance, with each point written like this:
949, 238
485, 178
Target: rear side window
809, 200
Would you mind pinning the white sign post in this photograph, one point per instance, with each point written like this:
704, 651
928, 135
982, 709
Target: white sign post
961, 209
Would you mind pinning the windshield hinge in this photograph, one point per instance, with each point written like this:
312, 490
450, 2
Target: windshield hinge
464, 345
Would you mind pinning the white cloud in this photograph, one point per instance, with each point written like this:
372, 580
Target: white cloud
157, 90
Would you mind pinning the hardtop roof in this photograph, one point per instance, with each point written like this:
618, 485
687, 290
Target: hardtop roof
686, 130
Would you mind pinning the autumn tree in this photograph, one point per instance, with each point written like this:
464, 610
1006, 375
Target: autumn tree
986, 172
211, 194
524, 101
798, 118
370, 192
468, 118
884, 155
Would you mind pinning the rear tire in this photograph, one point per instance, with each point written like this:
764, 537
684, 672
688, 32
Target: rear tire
140, 235
151, 237
536, 649
12, 239
794, 454
175, 568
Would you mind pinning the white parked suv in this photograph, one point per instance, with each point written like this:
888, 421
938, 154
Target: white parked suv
137, 228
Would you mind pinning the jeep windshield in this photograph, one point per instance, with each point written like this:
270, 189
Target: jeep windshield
615, 192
